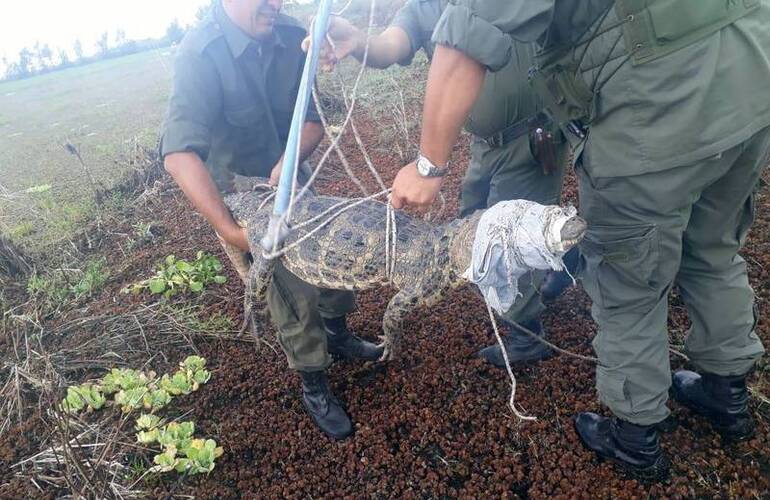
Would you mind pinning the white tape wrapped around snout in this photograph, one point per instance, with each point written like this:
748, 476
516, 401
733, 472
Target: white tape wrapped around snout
513, 238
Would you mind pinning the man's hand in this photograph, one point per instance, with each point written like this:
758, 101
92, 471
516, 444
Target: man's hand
347, 39
275, 174
412, 189
236, 236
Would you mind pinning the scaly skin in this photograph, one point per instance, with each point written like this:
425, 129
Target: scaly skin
349, 253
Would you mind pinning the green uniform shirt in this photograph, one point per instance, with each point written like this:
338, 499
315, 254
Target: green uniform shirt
681, 108
233, 96
506, 97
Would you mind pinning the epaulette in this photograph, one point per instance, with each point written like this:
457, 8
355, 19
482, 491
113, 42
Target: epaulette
199, 37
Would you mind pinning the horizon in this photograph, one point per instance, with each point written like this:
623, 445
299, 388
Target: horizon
87, 20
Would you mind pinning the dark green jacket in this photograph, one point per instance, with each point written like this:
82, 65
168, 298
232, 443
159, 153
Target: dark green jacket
233, 97
506, 97
673, 111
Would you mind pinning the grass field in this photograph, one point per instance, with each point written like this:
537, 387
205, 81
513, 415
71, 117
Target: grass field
104, 109
98, 108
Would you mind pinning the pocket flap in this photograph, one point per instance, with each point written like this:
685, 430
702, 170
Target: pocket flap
244, 115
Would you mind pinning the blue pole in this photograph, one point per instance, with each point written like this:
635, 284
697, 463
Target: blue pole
290, 158
278, 229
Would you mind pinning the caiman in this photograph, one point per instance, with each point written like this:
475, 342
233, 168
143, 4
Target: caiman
349, 253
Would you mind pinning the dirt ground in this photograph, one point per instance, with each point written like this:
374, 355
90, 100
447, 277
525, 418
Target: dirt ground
433, 424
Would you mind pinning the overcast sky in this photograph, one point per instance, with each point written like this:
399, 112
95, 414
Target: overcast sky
60, 22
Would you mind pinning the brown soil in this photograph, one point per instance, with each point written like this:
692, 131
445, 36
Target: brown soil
432, 424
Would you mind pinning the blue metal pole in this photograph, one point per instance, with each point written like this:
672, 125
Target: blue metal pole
278, 231
290, 158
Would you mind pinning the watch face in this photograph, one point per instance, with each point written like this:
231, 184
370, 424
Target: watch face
422, 167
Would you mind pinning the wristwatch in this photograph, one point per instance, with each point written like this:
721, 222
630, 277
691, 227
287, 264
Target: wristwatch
426, 168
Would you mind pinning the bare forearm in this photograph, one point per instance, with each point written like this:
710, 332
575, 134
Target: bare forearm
388, 48
193, 178
312, 133
454, 83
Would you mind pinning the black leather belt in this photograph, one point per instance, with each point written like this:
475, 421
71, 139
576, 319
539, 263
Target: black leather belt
515, 131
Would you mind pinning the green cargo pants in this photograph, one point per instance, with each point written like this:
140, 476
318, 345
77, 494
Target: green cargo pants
648, 232
509, 173
296, 308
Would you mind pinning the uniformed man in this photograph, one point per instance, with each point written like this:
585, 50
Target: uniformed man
235, 84
502, 123
670, 101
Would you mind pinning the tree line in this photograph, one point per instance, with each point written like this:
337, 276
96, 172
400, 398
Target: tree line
41, 58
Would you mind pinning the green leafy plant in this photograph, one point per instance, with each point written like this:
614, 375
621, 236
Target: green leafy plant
94, 276
83, 397
126, 379
133, 390
180, 451
131, 399
176, 275
148, 427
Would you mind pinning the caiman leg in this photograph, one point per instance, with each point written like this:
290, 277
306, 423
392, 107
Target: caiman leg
404, 302
255, 297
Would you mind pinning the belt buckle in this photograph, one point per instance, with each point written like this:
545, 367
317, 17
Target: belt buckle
495, 140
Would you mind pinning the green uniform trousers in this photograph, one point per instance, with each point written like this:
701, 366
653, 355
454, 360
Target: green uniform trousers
511, 172
296, 308
683, 226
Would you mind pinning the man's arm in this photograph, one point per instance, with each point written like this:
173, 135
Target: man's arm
194, 179
389, 47
454, 83
385, 49
312, 133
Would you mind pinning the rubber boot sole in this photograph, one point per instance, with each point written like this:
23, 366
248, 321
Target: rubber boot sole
656, 473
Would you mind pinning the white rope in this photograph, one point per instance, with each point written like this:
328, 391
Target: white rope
337, 138
357, 136
351, 203
391, 235
337, 149
512, 399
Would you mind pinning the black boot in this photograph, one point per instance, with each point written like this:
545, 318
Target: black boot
342, 343
326, 411
519, 346
555, 282
722, 400
634, 448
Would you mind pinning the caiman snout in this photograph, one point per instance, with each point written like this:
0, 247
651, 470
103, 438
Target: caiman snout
573, 231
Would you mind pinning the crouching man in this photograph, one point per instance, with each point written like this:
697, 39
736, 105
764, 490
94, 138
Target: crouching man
235, 84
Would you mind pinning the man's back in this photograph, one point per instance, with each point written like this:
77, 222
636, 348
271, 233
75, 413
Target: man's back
683, 106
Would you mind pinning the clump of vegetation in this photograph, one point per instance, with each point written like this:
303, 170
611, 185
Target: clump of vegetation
181, 452
134, 390
87, 397
59, 286
143, 234
177, 275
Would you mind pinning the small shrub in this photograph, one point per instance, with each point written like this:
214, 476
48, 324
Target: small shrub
94, 277
175, 276
57, 287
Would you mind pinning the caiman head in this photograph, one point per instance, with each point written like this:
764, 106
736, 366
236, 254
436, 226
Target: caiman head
558, 230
